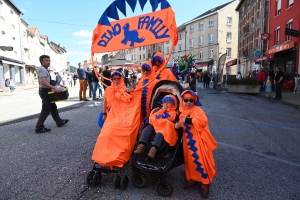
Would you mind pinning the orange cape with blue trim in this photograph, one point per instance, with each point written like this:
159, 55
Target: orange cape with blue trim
198, 145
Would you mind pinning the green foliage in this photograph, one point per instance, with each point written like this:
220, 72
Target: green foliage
244, 81
73, 69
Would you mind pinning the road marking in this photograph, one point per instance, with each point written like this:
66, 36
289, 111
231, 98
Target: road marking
260, 154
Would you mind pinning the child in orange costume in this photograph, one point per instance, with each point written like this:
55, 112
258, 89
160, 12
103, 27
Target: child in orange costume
161, 122
159, 62
198, 144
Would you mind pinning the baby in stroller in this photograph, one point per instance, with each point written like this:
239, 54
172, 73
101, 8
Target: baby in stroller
161, 123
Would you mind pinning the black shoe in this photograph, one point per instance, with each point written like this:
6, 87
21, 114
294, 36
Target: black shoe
85, 100
204, 190
80, 99
42, 130
62, 122
191, 184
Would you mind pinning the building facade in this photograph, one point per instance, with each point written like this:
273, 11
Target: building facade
21, 63
253, 23
209, 36
282, 48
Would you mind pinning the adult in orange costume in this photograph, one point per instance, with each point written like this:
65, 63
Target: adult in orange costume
161, 123
118, 135
146, 85
159, 64
198, 144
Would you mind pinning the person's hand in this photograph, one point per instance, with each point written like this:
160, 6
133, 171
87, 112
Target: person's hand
183, 119
177, 125
129, 90
57, 90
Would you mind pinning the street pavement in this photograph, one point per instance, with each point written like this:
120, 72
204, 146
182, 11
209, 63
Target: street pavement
257, 158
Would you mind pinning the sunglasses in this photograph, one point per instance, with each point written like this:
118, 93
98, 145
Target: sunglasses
188, 100
144, 69
116, 79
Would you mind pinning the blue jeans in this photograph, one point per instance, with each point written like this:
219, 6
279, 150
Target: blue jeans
95, 88
183, 74
12, 88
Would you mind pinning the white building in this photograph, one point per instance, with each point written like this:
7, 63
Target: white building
11, 62
209, 36
28, 45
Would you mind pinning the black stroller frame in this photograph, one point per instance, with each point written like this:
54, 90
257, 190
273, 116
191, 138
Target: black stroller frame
161, 164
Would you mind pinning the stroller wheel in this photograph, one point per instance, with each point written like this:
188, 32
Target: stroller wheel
139, 181
124, 182
97, 178
164, 188
89, 178
117, 180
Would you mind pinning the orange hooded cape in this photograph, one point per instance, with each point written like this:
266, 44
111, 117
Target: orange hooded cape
118, 135
198, 143
164, 73
162, 121
146, 85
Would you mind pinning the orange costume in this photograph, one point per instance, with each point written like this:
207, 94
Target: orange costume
164, 74
118, 135
163, 120
198, 143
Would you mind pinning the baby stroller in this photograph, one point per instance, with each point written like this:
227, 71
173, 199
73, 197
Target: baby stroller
166, 157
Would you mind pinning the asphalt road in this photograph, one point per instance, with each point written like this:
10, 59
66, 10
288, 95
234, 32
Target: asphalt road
257, 158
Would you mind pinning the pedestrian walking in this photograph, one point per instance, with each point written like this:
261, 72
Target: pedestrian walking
90, 82
279, 78
47, 107
83, 80
75, 77
297, 82
206, 80
70, 80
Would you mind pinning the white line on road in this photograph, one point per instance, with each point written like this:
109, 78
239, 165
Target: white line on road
260, 154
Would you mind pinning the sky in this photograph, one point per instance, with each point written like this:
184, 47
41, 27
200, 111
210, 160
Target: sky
71, 23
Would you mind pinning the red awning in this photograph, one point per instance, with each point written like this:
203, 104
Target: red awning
136, 66
204, 64
231, 63
263, 58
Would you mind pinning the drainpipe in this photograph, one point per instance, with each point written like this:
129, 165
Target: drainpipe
20, 35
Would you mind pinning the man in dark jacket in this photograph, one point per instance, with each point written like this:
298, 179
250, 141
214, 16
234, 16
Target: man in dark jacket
90, 81
106, 73
279, 78
82, 75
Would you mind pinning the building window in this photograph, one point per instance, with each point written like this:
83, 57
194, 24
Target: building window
211, 53
140, 57
289, 25
201, 26
229, 21
192, 43
179, 47
277, 35
192, 29
167, 50
228, 52
228, 37
144, 56
211, 22
180, 36
201, 55
211, 38
278, 9
200, 41
291, 2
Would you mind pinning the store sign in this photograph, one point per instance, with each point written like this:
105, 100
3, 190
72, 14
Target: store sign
257, 53
265, 36
291, 32
281, 47
263, 58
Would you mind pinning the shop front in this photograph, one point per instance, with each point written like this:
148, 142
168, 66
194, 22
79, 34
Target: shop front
10, 68
285, 57
205, 66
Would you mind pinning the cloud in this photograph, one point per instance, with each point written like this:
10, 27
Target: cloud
83, 33
23, 10
84, 42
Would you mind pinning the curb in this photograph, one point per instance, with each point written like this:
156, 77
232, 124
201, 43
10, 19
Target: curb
282, 102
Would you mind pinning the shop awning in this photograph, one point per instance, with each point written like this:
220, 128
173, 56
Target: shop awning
204, 64
281, 47
263, 58
232, 62
135, 66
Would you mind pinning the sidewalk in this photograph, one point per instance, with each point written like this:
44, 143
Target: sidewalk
20, 88
288, 98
